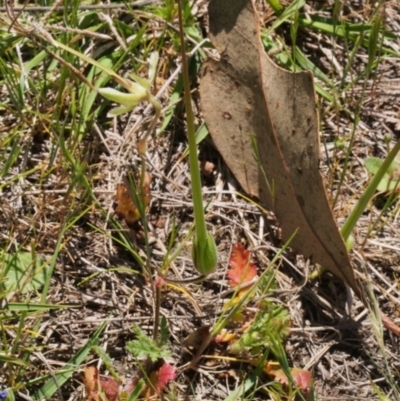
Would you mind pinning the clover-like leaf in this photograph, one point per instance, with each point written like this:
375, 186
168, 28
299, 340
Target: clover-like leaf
390, 180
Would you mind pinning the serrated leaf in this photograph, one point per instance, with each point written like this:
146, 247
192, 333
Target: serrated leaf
145, 347
268, 319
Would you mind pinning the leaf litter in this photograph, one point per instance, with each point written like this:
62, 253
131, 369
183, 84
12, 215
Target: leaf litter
337, 350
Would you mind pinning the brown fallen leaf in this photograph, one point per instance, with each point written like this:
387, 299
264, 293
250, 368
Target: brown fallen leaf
246, 95
126, 208
247, 99
125, 204
197, 337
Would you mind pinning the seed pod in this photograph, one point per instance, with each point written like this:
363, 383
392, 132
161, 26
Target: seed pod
205, 255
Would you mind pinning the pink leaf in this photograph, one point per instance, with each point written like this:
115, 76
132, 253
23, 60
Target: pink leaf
166, 374
301, 377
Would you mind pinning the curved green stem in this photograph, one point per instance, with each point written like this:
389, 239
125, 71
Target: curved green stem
204, 250
193, 160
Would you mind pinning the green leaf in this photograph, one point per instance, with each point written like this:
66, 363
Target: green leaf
22, 272
26, 307
201, 134
10, 395
293, 8
276, 6
194, 68
269, 319
50, 387
135, 394
390, 179
373, 44
164, 330
118, 111
362, 203
12, 360
137, 95
145, 347
373, 164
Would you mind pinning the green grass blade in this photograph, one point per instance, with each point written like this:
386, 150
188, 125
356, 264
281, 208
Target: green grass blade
23, 307
369, 192
294, 7
50, 387
10, 359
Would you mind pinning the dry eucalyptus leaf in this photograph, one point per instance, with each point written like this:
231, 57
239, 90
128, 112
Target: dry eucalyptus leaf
246, 95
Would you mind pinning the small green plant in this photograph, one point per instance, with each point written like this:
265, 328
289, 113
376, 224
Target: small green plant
53, 126
21, 272
269, 318
145, 347
153, 378
204, 254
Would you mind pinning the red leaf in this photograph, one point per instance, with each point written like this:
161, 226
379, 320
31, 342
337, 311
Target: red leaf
241, 269
159, 380
110, 388
301, 377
